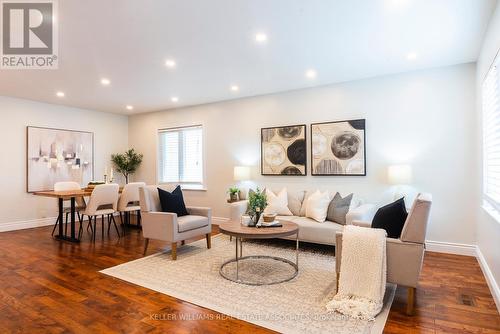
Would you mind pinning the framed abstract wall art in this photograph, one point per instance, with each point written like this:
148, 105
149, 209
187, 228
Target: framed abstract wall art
55, 155
283, 150
338, 148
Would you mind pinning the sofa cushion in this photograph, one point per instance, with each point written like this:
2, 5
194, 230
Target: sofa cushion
302, 212
338, 208
173, 201
277, 204
317, 206
311, 231
295, 199
191, 222
391, 218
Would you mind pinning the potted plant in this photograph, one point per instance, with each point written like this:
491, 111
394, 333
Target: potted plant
127, 163
257, 202
233, 194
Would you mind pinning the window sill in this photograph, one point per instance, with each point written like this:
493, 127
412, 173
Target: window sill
491, 211
193, 188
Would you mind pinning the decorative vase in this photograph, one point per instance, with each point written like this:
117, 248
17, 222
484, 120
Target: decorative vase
255, 219
233, 197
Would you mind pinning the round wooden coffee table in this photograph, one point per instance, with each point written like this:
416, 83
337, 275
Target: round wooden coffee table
241, 232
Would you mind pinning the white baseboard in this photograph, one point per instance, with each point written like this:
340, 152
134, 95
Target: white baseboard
24, 224
450, 248
490, 279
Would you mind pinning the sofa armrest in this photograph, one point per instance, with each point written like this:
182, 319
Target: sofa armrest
363, 212
200, 211
237, 209
404, 260
159, 225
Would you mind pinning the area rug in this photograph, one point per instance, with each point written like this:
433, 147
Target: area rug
296, 306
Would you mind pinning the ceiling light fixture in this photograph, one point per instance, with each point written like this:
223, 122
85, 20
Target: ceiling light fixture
170, 63
311, 74
235, 88
105, 82
174, 99
60, 94
261, 38
411, 56
129, 107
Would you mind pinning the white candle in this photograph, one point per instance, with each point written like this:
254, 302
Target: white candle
105, 170
111, 174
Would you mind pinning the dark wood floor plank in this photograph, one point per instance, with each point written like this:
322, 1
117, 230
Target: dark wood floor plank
55, 287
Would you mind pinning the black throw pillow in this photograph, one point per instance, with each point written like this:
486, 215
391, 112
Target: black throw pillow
391, 218
173, 202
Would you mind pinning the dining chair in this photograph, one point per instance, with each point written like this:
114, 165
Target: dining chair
103, 202
80, 202
129, 200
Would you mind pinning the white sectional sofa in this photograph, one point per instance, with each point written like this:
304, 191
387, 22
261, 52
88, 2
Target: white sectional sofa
309, 229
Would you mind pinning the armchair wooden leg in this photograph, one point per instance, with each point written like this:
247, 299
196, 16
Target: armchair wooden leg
209, 240
146, 243
183, 242
174, 251
337, 285
410, 307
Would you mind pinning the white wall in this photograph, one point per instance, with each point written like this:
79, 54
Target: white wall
488, 228
423, 118
20, 209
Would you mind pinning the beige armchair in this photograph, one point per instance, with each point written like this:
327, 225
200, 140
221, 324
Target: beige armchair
167, 226
404, 255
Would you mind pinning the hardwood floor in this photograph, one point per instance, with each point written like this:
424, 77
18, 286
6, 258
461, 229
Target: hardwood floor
49, 286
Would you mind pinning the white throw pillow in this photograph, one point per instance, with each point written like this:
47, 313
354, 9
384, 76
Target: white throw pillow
317, 206
277, 204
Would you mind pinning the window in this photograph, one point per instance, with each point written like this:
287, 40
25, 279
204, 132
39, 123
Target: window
491, 136
181, 156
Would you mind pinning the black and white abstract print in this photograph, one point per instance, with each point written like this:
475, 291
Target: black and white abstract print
284, 150
338, 148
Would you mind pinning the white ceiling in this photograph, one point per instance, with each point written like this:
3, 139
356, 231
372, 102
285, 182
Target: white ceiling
213, 44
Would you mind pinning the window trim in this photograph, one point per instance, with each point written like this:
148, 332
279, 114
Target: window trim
489, 204
190, 186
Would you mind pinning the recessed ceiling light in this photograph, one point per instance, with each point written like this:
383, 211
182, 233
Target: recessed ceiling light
105, 81
260, 37
235, 88
129, 107
411, 56
311, 74
174, 99
60, 94
170, 63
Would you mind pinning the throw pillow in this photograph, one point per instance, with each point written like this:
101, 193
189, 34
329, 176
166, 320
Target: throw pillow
173, 201
302, 212
277, 204
338, 208
317, 206
391, 218
295, 200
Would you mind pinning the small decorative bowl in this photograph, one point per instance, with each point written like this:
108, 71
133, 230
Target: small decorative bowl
269, 217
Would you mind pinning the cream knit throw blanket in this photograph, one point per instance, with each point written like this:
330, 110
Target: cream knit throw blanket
363, 272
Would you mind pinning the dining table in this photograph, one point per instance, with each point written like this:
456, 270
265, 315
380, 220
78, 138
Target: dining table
67, 195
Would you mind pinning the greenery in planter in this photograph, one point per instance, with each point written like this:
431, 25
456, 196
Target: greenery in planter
233, 193
127, 163
257, 202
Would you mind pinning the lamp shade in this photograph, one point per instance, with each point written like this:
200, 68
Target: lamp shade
399, 174
241, 173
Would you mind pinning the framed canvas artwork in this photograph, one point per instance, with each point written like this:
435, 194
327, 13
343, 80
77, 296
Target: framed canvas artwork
283, 150
55, 155
338, 148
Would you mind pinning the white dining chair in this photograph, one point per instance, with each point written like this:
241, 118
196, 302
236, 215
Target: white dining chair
129, 201
103, 202
80, 202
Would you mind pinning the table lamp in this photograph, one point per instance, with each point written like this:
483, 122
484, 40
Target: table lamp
399, 175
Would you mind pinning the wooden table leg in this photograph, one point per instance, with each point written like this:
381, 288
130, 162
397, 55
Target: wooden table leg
73, 218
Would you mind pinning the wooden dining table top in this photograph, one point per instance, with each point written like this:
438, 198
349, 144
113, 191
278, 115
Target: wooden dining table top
67, 194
